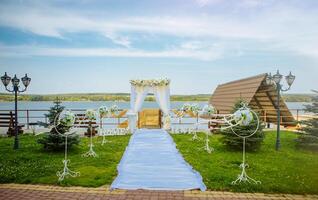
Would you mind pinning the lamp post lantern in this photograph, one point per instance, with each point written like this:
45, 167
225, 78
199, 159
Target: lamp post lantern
276, 80
15, 89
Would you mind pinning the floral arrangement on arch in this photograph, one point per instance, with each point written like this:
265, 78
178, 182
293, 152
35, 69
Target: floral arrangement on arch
151, 82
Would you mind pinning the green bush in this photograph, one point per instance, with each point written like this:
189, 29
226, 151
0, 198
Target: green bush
308, 139
55, 139
234, 142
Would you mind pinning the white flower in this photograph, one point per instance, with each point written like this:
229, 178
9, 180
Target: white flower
188, 107
195, 108
243, 116
90, 114
103, 110
151, 83
208, 110
114, 109
67, 119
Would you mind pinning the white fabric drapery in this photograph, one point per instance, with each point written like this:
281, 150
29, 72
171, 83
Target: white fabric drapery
138, 95
162, 94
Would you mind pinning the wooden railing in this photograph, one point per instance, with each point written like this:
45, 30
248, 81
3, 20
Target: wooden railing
30, 116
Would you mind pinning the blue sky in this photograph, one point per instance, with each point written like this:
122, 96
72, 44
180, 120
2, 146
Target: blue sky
98, 46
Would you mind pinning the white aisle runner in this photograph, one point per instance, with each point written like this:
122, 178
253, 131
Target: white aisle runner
152, 161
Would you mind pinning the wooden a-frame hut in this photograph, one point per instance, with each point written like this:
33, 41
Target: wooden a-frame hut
254, 91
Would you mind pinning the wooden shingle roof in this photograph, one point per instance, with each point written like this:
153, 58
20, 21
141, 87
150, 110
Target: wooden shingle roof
256, 93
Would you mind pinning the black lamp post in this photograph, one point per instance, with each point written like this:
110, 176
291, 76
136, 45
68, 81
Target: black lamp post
275, 80
15, 88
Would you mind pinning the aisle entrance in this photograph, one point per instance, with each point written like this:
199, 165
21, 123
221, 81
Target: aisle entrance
149, 118
152, 161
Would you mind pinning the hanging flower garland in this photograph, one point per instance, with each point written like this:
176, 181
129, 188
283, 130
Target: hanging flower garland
150, 83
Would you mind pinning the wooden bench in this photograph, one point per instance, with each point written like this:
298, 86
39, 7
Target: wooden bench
215, 121
83, 122
7, 120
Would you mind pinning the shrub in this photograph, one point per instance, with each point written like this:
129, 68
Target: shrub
55, 139
234, 142
308, 139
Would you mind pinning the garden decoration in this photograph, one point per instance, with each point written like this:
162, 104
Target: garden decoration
207, 147
192, 110
150, 83
114, 110
103, 111
66, 118
243, 116
208, 110
91, 115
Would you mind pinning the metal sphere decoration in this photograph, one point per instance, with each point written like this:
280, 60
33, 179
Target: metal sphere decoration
244, 116
65, 118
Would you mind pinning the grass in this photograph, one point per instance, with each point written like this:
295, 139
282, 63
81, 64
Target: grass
31, 164
286, 171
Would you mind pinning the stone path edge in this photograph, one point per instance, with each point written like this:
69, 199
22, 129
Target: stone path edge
192, 193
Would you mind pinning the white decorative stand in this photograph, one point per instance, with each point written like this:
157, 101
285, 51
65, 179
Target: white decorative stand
195, 136
243, 177
91, 152
207, 145
66, 171
103, 131
243, 116
70, 118
104, 141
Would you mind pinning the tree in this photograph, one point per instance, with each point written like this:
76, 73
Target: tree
55, 139
234, 142
308, 139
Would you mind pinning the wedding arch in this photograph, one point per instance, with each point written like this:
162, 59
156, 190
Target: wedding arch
139, 90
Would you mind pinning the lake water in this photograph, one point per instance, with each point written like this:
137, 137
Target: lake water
96, 104
45, 105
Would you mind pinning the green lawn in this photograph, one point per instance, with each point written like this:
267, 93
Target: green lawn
31, 164
287, 171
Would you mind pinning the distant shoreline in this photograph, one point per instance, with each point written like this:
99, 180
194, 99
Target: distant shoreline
125, 97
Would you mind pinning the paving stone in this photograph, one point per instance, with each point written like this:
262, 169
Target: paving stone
39, 192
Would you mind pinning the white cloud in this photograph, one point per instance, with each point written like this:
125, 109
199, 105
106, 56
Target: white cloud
281, 25
176, 52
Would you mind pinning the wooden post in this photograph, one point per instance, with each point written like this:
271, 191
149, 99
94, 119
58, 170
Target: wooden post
297, 116
100, 121
28, 120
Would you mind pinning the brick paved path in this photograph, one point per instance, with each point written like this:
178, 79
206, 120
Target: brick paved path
39, 192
